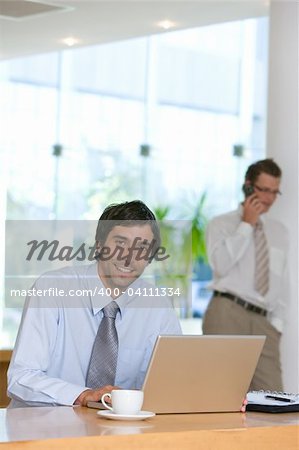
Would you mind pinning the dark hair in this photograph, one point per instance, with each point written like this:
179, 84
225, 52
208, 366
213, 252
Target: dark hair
267, 166
127, 214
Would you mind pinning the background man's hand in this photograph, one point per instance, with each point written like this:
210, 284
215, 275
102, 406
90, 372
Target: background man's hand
243, 407
93, 395
252, 208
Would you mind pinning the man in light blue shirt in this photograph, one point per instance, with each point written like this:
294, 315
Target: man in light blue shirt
56, 336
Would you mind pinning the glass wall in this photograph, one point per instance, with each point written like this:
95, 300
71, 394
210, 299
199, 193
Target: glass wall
161, 118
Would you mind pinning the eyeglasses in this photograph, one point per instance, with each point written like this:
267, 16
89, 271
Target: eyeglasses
268, 191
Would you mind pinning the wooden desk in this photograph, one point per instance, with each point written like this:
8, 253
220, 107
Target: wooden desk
77, 428
5, 356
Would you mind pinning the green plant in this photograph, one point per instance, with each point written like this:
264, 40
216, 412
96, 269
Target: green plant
184, 240
199, 220
193, 233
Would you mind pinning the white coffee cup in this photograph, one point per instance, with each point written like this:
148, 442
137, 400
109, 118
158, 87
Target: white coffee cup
124, 401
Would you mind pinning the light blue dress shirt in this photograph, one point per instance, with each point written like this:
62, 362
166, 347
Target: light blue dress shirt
52, 352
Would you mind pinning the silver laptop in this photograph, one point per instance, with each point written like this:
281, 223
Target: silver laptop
189, 374
210, 373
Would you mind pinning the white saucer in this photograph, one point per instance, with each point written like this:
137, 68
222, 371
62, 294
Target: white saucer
140, 416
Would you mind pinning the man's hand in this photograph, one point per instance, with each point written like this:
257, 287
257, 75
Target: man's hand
243, 407
94, 395
252, 208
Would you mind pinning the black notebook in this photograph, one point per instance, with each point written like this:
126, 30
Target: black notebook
272, 402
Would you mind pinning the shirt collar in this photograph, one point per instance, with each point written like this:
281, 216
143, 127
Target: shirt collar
100, 300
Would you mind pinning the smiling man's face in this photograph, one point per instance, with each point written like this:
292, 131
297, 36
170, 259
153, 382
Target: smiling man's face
120, 273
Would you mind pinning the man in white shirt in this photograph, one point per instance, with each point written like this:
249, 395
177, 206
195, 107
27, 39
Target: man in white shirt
52, 357
250, 273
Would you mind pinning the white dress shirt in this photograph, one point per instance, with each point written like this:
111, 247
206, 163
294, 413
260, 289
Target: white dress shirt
52, 352
230, 244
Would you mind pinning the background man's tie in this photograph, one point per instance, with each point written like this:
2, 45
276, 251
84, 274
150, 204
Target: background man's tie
261, 260
103, 360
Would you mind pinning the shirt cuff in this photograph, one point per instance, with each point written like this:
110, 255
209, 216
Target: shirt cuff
69, 394
245, 229
277, 323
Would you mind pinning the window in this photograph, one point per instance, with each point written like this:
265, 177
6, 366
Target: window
191, 96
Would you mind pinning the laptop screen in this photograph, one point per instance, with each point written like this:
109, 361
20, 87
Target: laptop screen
210, 373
